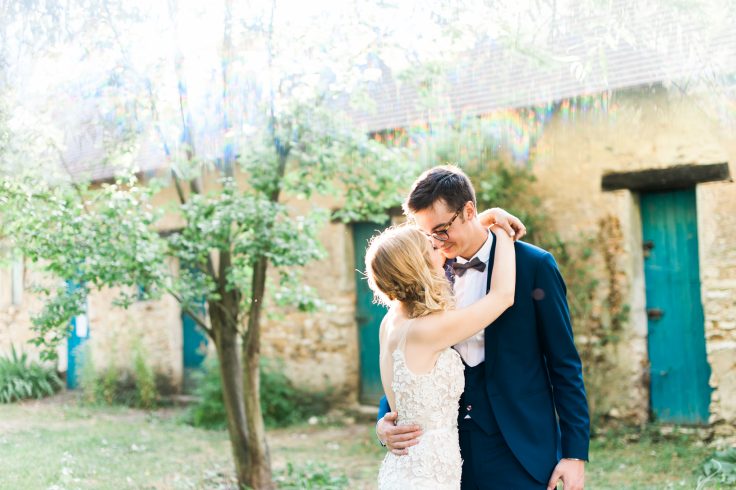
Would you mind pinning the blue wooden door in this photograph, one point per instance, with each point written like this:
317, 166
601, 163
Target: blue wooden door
679, 369
78, 336
368, 317
194, 340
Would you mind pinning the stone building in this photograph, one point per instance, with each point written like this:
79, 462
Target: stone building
639, 155
626, 149
662, 167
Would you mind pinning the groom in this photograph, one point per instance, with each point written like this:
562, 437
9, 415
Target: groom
523, 419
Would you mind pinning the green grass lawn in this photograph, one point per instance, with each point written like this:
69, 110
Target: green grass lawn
57, 444
628, 460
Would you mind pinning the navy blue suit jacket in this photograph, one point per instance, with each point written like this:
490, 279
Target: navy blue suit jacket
533, 371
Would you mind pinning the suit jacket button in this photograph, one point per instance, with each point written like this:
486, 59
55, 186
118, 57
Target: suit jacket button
469, 408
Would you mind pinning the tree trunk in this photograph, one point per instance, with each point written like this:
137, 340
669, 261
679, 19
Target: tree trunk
259, 457
225, 337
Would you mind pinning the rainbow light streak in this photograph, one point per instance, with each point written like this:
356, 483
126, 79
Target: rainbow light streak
516, 130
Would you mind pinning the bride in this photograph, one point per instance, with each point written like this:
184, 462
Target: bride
421, 374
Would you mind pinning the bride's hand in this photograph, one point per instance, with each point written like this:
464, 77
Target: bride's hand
501, 234
497, 216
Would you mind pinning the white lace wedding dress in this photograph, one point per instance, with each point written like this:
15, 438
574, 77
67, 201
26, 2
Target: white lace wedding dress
430, 401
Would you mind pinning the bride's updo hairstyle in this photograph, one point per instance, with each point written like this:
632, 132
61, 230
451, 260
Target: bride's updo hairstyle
399, 267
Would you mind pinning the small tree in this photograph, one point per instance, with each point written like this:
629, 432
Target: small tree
236, 227
232, 234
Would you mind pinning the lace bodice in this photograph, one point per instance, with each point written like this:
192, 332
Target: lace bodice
431, 401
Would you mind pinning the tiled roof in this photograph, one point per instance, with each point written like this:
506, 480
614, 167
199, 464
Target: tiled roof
89, 163
655, 45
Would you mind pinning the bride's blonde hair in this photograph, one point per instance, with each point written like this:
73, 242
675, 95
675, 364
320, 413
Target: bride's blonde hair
399, 267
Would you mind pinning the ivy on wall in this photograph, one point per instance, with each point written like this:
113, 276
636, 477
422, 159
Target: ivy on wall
589, 262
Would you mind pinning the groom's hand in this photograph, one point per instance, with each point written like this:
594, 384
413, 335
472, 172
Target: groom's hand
571, 472
398, 438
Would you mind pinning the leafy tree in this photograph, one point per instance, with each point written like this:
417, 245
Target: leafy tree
235, 224
232, 235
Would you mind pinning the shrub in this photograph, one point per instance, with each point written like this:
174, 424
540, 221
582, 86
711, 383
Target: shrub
283, 404
115, 386
20, 378
721, 468
311, 476
145, 381
209, 411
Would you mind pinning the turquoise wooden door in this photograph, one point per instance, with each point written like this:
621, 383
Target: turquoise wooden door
194, 340
679, 369
78, 336
194, 347
368, 317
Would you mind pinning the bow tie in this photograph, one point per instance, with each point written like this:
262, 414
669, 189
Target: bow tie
476, 264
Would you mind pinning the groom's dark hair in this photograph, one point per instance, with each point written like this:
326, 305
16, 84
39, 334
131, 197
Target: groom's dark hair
446, 182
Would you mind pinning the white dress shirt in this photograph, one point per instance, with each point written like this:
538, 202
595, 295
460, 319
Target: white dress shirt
468, 289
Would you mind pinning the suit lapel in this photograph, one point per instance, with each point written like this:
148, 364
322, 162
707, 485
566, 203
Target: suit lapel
490, 264
491, 340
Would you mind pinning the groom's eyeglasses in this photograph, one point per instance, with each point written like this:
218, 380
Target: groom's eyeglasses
442, 234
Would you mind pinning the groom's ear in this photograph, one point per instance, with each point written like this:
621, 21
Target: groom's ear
469, 212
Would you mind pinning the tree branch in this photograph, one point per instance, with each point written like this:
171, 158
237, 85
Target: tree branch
199, 321
227, 50
76, 186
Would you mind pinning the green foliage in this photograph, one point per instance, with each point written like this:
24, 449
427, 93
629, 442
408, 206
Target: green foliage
311, 476
110, 386
88, 378
209, 411
721, 468
89, 238
21, 378
146, 392
107, 236
501, 184
321, 153
115, 386
473, 145
574, 258
283, 404
116, 389
231, 233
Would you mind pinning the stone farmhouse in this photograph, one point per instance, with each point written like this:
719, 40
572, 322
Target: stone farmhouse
648, 144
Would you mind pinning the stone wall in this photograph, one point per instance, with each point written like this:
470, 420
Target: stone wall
321, 349
154, 327
642, 129
717, 213
15, 317
115, 333
647, 129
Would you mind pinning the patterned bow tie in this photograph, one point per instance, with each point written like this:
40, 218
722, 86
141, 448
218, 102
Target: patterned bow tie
476, 264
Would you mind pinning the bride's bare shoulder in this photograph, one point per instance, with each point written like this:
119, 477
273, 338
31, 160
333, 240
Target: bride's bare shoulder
388, 332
